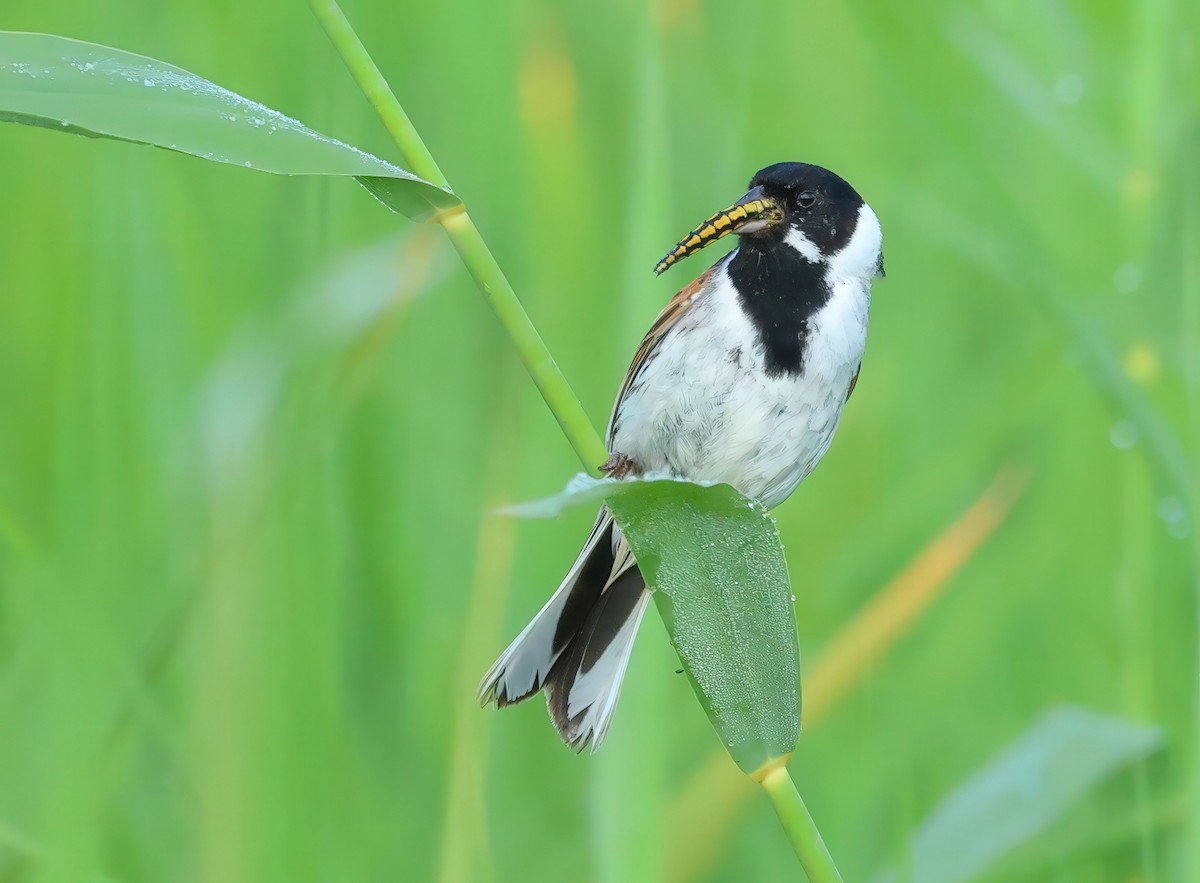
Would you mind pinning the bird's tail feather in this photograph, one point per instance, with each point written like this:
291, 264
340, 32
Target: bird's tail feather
578, 645
585, 683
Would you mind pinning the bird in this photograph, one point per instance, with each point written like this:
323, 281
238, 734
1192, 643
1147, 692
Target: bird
741, 379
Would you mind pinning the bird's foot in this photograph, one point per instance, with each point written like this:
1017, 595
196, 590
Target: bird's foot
620, 466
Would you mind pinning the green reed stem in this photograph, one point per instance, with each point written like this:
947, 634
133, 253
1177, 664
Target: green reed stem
563, 403
800, 827
475, 254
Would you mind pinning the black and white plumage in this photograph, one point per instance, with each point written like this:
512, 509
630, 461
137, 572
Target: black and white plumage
741, 379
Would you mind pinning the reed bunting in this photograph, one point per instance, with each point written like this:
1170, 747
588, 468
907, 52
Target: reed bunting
741, 379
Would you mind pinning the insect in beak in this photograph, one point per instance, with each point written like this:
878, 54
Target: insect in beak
753, 212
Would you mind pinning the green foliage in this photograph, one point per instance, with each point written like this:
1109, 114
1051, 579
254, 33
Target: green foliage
714, 560
1047, 768
722, 588
102, 92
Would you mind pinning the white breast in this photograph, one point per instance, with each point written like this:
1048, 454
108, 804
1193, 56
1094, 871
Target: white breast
704, 407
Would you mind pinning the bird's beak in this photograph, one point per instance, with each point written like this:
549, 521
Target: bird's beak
753, 212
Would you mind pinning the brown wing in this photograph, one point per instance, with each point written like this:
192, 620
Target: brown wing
854, 381
674, 310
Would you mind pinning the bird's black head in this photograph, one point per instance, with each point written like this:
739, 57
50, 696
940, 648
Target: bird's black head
815, 202
800, 206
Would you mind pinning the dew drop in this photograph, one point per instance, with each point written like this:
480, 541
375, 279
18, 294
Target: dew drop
1069, 89
1127, 278
1171, 510
1123, 434
1141, 363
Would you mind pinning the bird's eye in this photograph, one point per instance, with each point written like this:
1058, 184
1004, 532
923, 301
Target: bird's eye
806, 198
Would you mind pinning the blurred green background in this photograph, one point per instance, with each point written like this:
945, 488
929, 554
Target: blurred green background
254, 431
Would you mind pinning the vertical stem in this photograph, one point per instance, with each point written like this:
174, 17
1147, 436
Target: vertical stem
1189, 229
799, 826
1183, 77
477, 257
474, 252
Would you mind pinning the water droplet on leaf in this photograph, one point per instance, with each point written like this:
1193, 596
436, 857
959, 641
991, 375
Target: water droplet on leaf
1123, 434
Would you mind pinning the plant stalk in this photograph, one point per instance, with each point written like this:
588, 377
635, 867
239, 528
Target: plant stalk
800, 827
551, 383
475, 254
